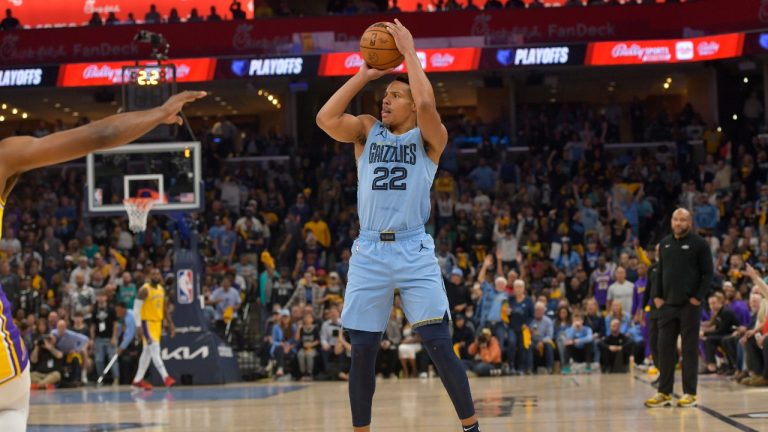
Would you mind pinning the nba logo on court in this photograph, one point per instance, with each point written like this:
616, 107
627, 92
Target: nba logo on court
185, 286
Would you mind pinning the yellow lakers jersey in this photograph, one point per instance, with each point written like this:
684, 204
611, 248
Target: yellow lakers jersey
154, 304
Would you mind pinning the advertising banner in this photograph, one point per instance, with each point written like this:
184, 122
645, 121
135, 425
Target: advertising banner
28, 77
541, 56
665, 51
432, 60
250, 67
111, 73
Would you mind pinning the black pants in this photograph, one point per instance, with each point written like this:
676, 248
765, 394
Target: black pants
387, 362
731, 346
711, 344
615, 362
579, 355
653, 336
759, 357
677, 321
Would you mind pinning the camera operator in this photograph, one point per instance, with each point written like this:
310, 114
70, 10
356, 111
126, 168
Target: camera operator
47, 363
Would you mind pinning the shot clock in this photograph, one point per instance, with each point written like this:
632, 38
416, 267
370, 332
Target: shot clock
149, 86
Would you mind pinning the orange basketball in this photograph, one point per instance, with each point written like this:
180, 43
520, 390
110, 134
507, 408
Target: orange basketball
378, 49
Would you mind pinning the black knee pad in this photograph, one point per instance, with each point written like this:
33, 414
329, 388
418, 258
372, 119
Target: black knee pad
362, 375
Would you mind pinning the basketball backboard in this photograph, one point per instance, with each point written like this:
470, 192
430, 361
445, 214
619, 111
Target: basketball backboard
169, 172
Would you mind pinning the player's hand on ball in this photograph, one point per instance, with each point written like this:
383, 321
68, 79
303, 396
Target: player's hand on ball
402, 36
175, 103
371, 74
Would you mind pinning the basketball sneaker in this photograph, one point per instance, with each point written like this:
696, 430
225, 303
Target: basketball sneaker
659, 400
169, 382
687, 401
141, 385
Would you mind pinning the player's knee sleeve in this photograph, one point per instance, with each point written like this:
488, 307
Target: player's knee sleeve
362, 375
437, 339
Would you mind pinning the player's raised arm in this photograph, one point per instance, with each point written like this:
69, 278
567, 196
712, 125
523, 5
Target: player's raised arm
427, 117
332, 117
22, 154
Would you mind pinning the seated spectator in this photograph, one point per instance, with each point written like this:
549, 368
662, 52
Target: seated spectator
386, 362
722, 323
487, 355
463, 336
308, 338
130, 20
74, 347
578, 344
329, 333
409, 347
615, 348
617, 312
128, 344
152, 17
542, 332
283, 345
596, 322
561, 324
47, 361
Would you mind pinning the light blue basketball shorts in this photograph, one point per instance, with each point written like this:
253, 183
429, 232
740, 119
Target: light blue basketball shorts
379, 265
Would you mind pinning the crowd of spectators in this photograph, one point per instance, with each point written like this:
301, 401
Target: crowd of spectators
285, 8
544, 255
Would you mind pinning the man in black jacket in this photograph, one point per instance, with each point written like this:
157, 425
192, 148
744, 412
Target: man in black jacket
653, 317
722, 324
684, 276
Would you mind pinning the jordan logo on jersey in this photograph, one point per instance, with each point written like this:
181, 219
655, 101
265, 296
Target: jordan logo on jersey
384, 153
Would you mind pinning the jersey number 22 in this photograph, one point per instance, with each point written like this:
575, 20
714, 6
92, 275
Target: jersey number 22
383, 181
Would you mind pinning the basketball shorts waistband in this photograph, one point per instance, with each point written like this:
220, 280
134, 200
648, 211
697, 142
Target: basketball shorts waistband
392, 236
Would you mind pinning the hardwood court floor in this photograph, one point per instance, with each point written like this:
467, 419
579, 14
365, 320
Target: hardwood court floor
538, 403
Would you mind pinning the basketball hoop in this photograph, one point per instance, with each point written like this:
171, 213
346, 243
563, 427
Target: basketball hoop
138, 209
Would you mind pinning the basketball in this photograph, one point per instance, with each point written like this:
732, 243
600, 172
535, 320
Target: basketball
378, 49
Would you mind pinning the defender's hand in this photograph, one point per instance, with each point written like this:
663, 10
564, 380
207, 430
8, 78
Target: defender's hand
176, 102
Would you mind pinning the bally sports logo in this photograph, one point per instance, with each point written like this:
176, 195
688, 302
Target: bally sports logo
111, 73
644, 54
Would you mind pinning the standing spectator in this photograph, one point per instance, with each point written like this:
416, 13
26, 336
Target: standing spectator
126, 290
622, 290
82, 269
130, 20
104, 335
82, 298
308, 338
152, 17
520, 315
127, 349
237, 10
9, 22
213, 17
600, 280
282, 288
685, 272
615, 349
483, 176
225, 242
319, 229
458, 295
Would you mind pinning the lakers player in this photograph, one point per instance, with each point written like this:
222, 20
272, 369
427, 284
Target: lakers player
397, 158
21, 154
151, 307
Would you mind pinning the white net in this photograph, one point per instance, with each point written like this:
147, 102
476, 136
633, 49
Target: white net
138, 209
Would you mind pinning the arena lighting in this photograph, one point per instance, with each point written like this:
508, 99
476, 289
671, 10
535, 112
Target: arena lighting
75, 114
746, 80
274, 101
222, 103
2, 118
217, 98
669, 79
56, 105
5, 106
260, 92
719, 129
735, 117
666, 85
270, 98
24, 115
67, 110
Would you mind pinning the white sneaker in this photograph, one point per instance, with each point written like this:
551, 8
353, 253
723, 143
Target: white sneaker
423, 375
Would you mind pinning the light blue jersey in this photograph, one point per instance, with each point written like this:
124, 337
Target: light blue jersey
393, 250
394, 175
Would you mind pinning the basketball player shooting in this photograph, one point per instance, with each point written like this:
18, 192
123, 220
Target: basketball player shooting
397, 158
21, 154
151, 306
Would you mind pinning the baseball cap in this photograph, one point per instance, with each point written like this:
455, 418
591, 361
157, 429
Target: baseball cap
458, 316
285, 312
457, 272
